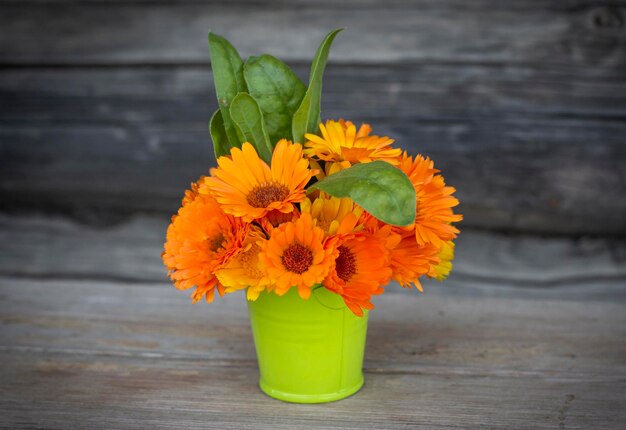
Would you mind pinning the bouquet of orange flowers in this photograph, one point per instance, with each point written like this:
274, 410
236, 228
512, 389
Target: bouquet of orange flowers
297, 203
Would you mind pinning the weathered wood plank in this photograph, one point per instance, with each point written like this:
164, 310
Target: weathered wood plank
99, 139
434, 4
453, 328
561, 176
445, 91
91, 140
71, 391
496, 119
529, 149
517, 32
101, 355
57, 248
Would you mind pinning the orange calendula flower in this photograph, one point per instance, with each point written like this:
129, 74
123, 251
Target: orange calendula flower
200, 240
296, 255
433, 222
247, 187
409, 260
334, 215
341, 142
359, 271
243, 271
329, 168
442, 270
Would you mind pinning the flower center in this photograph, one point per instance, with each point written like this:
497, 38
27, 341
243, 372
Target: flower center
262, 195
216, 242
297, 258
345, 264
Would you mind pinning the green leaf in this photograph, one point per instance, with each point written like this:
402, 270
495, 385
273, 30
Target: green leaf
221, 146
247, 116
380, 188
307, 117
228, 78
278, 91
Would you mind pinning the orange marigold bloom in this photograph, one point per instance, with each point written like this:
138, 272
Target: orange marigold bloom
433, 223
296, 255
340, 141
442, 270
359, 271
247, 187
243, 271
332, 214
200, 240
327, 168
409, 260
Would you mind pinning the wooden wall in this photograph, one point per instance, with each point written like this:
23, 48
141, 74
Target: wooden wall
522, 103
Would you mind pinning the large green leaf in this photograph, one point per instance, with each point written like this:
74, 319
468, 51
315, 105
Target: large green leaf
247, 116
228, 78
221, 146
277, 90
380, 188
307, 117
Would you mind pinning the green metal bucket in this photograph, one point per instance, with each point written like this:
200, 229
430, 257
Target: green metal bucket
309, 351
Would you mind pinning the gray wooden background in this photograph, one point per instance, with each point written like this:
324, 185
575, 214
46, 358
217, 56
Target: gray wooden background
522, 103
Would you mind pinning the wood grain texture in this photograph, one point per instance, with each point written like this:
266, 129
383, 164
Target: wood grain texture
91, 336
517, 32
57, 248
517, 331
529, 149
127, 393
91, 354
522, 105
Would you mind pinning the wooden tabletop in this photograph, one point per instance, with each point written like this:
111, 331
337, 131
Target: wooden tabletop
529, 333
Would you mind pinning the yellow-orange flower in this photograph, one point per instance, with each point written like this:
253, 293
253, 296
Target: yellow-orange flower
243, 271
327, 168
296, 255
433, 222
442, 270
340, 141
359, 271
247, 187
200, 240
332, 214
409, 260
